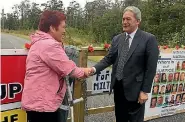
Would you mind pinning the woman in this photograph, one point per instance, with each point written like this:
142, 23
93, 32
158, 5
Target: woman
163, 77
46, 63
176, 76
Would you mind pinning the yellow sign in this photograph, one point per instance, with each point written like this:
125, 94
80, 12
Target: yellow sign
16, 115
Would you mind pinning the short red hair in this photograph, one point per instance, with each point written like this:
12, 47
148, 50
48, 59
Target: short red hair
50, 18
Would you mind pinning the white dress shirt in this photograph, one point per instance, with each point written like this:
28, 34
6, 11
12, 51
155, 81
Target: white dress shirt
131, 37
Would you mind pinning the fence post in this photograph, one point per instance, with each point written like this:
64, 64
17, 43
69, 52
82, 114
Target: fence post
78, 90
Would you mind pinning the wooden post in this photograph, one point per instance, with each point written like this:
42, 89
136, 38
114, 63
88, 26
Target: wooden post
78, 91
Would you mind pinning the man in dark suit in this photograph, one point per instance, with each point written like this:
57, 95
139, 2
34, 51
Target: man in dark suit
134, 56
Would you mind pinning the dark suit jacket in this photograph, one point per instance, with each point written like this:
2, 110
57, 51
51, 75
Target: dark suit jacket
140, 66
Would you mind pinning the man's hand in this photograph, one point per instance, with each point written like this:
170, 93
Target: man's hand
87, 71
143, 97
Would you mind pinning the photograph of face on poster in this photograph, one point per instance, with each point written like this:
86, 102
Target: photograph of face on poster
183, 66
166, 100
153, 102
183, 98
177, 99
157, 78
168, 88
180, 87
172, 99
162, 89
163, 78
176, 76
170, 77
155, 89
160, 100
182, 76
174, 88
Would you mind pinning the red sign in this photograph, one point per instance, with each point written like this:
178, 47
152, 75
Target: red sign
12, 77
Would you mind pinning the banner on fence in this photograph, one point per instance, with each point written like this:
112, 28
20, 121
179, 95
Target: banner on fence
12, 81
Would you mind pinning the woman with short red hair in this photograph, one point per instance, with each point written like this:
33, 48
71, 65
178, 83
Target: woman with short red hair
46, 63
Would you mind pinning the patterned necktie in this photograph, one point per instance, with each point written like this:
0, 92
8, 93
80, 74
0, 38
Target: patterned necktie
122, 58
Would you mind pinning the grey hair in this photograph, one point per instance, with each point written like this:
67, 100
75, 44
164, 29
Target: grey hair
135, 10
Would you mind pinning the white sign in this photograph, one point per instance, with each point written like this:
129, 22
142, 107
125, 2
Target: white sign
178, 54
101, 82
167, 66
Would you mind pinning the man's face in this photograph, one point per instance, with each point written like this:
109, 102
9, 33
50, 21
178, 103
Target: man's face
155, 89
156, 78
183, 65
160, 100
170, 77
162, 89
154, 102
182, 76
180, 88
129, 22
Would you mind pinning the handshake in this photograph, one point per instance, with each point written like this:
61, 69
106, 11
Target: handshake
89, 71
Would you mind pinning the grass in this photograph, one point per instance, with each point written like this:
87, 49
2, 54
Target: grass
95, 58
73, 37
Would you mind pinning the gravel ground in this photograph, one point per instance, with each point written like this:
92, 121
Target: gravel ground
105, 100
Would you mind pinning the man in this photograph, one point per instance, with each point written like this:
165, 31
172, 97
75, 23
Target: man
162, 89
182, 76
170, 77
172, 99
153, 102
155, 89
183, 65
134, 56
160, 101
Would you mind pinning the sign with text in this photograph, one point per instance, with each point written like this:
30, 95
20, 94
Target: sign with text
12, 82
101, 81
168, 90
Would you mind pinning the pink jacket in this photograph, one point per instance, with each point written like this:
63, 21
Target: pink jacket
46, 63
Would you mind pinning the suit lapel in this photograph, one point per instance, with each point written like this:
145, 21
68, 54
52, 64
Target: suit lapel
134, 44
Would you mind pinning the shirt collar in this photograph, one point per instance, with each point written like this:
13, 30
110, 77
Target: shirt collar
132, 34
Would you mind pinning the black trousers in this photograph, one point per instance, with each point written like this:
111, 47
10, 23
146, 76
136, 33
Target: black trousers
126, 111
33, 116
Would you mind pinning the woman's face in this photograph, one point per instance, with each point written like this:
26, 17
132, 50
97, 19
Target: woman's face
168, 87
164, 76
59, 33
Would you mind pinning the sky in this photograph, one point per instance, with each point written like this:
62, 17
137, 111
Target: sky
8, 4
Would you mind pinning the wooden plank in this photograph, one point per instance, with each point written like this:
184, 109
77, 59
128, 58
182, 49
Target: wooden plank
98, 53
89, 93
101, 110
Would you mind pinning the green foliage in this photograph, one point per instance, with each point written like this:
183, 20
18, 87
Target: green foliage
100, 20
